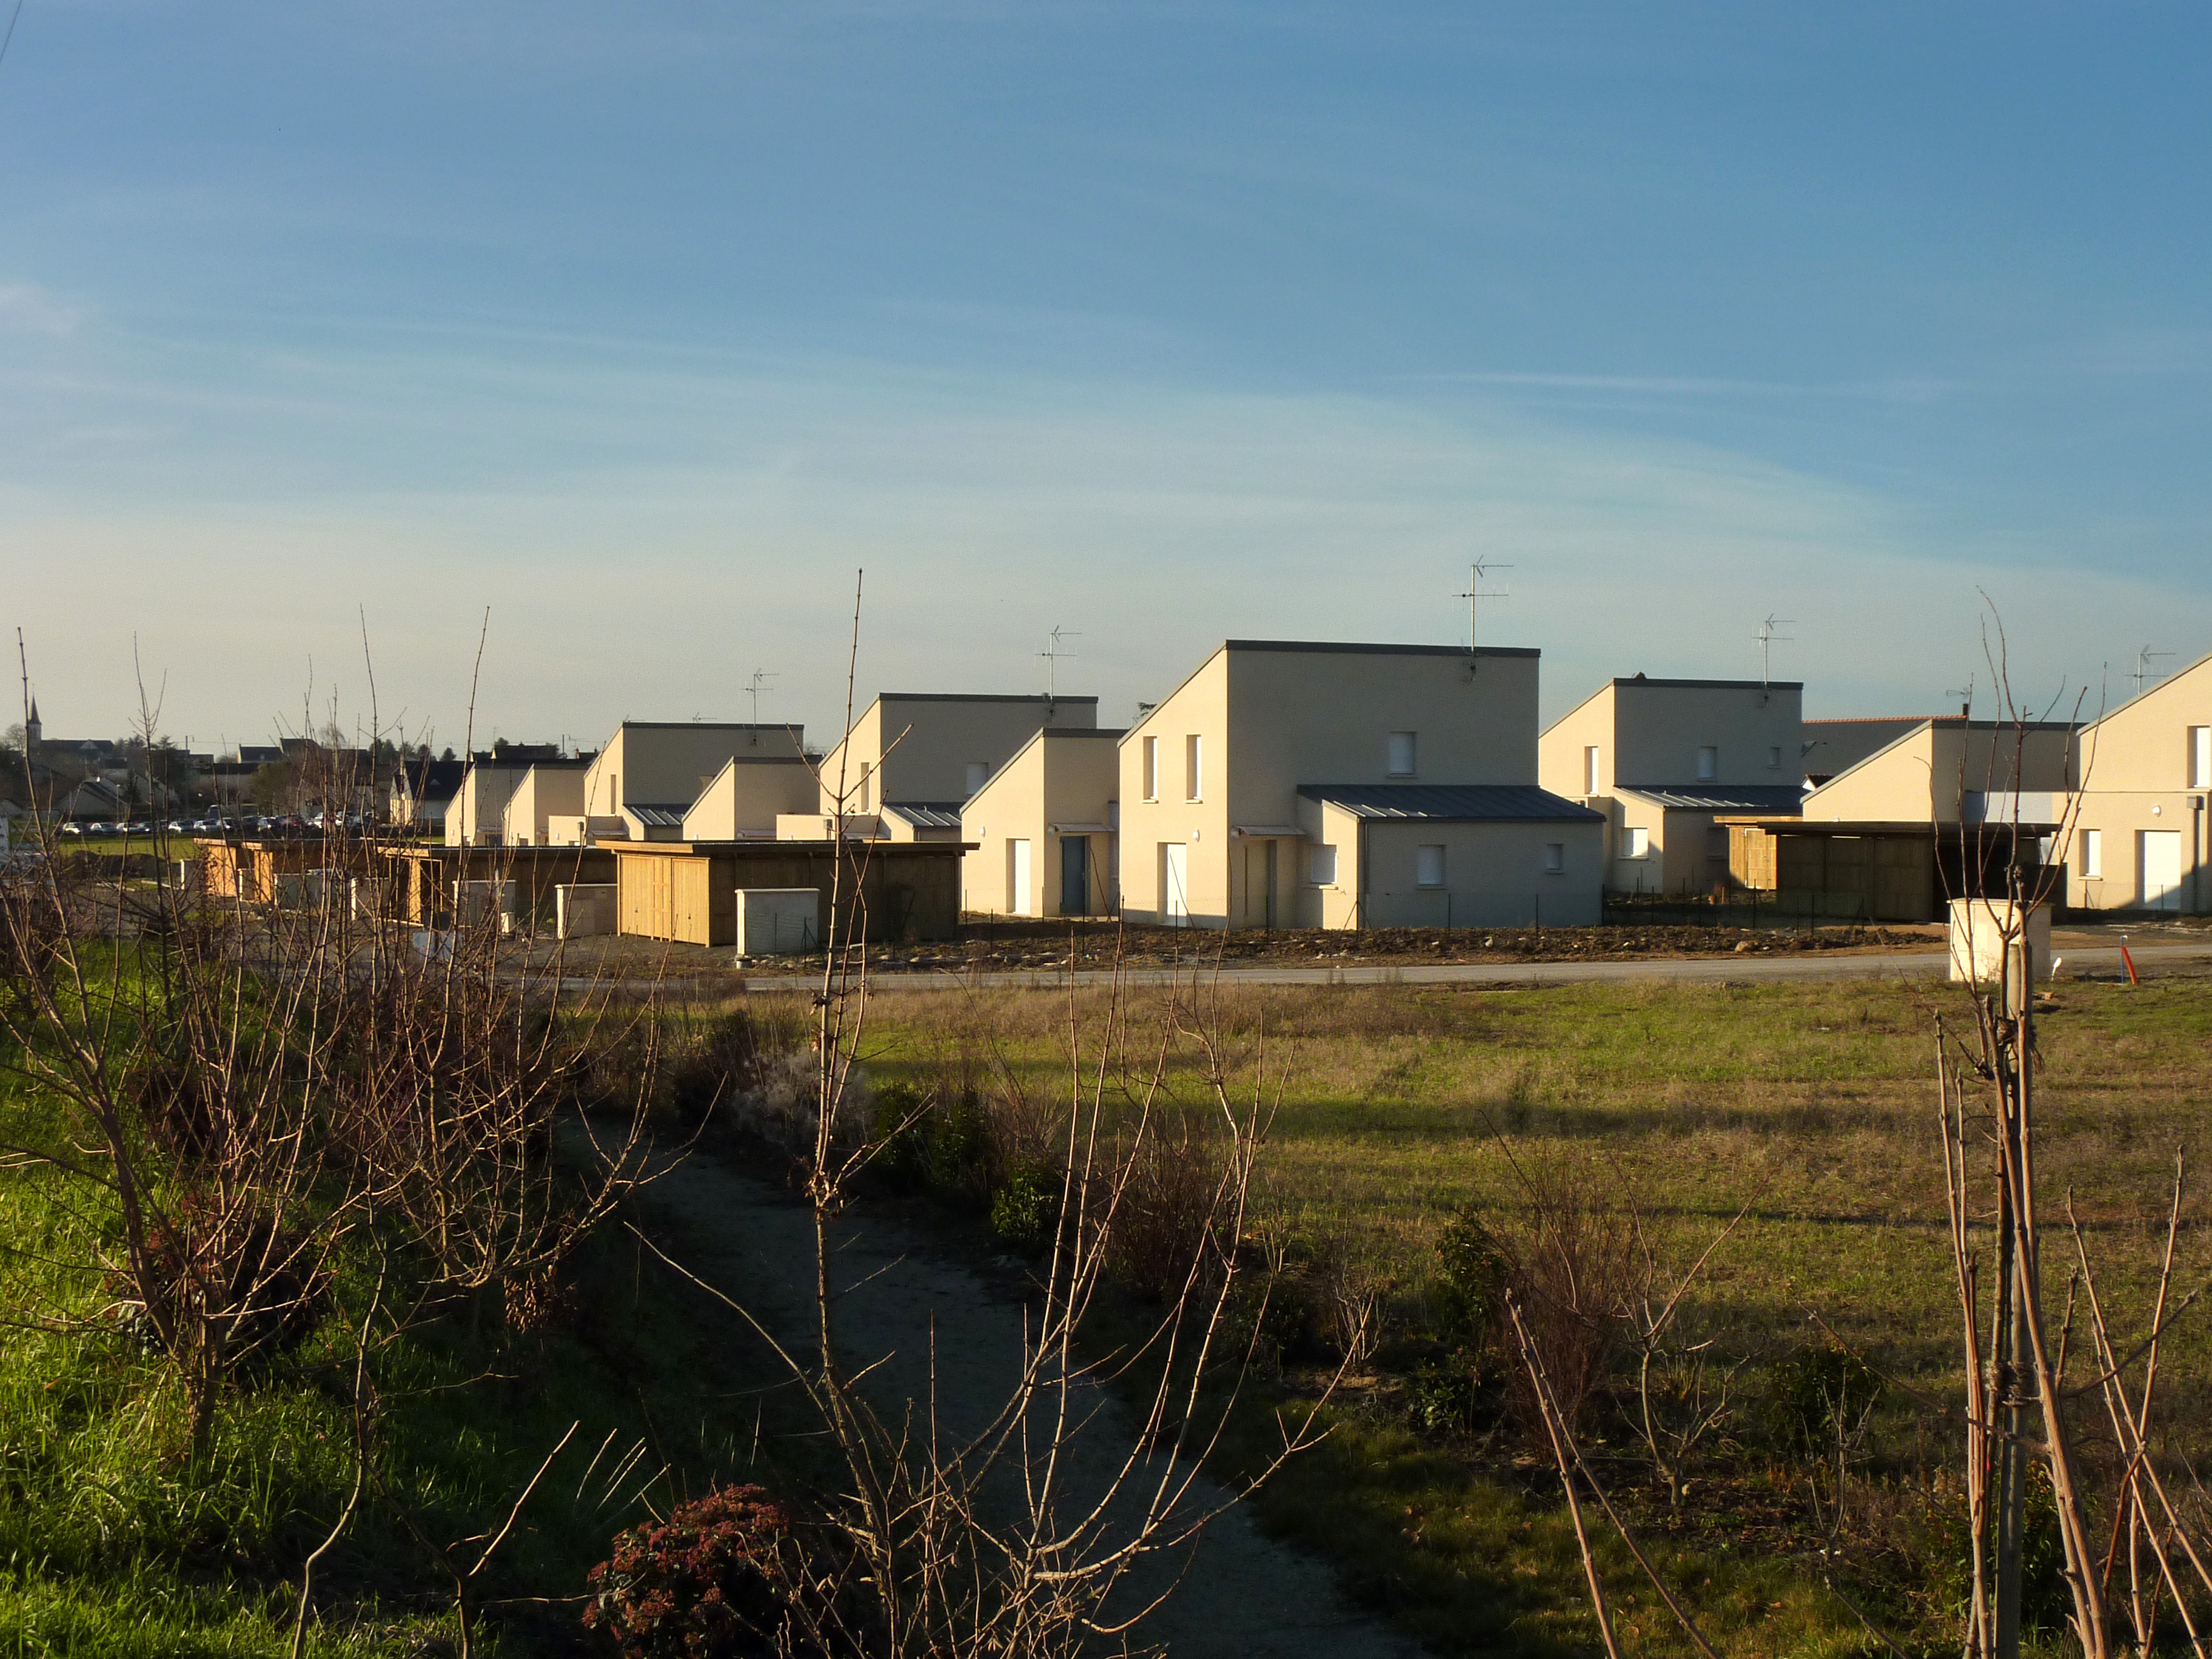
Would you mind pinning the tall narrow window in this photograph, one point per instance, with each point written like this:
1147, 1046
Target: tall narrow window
979, 774
2093, 852
1555, 858
1193, 779
1401, 753
1589, 770
862, 797
1152, 769
1774, 757
2200, 757
1709, 763
1428, 866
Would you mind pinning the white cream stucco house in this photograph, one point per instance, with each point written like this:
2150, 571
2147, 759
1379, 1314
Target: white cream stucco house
1319, 784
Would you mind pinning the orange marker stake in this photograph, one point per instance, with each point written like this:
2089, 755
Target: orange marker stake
2129, 960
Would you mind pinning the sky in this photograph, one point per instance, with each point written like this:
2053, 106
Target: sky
337, 339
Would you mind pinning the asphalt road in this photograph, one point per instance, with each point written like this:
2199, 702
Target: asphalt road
2095, 962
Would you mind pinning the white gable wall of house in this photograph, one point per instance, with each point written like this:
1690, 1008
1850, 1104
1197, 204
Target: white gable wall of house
2140, 839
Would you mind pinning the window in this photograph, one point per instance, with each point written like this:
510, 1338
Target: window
2200, 757
1428, 866
2093, 852
1191, 776
1774, 757
1321, 865
1555, 858
1717, 842
1635, 843
1709, 763
979, 774
1401, 753
1152, 769
861, 799
1589, 770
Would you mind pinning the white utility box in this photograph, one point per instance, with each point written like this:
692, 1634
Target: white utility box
581, 909
776, 921
1982, 930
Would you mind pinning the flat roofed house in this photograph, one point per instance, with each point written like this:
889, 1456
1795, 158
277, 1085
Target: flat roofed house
1227, 788
2140, 839
912, 758
649, 773
1664, 759
1043, 828
1945, 810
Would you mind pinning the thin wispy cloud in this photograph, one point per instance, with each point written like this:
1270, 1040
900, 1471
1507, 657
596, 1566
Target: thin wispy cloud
28, 309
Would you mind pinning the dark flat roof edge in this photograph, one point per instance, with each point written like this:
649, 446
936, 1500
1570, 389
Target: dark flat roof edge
714, 725
756, 849
976, 697
1352, 648
1712, 685
1955, 722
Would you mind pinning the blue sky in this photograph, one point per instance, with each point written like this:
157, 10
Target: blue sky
644, 327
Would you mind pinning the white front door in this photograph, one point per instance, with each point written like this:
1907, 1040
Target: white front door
2162, 869
1018, 901
1175, 882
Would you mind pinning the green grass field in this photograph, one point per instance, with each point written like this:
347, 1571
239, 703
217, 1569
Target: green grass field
1809, 1107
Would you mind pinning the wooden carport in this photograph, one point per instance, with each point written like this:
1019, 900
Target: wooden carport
1878, 871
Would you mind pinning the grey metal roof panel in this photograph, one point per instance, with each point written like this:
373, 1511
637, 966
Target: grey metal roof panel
1500, 802
1770, 797
659, 815
925, 814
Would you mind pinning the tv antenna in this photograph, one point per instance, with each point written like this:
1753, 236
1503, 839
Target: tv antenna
2143, 667
1051, 655
1966, 699
1477, 573
754, 687
1766, 637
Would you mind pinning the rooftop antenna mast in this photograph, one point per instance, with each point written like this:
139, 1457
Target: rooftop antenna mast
1477, 573
1966, 697
1766, 637
1051, 655
2143, 667
754, 687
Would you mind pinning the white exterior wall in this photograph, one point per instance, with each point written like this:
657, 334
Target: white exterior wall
1269, 718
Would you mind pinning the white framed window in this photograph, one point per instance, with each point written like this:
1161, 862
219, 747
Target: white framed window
1555, 858
979, 774
2093, 852
1152, 769
2200, 757
1589, 770
1774, 757
1708, 762
1401, 753
1635, 843
1321, 867
1428, 866
1194, 775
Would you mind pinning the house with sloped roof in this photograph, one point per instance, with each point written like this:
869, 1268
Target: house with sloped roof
650, 773
1043, 828
1664, 760
913, 759
1324, 784
2139, 834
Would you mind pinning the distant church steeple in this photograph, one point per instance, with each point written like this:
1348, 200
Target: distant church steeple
33, 731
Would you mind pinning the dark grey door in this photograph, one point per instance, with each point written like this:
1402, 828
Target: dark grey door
1075, 875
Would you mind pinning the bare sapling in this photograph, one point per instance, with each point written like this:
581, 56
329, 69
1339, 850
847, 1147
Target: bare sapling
983, 1530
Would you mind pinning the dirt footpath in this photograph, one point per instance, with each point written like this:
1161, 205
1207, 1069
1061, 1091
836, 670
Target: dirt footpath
1244, 1595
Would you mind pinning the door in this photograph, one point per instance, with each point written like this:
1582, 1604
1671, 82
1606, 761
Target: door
1174, 882
2160, 865
1075, 875
1017, 879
